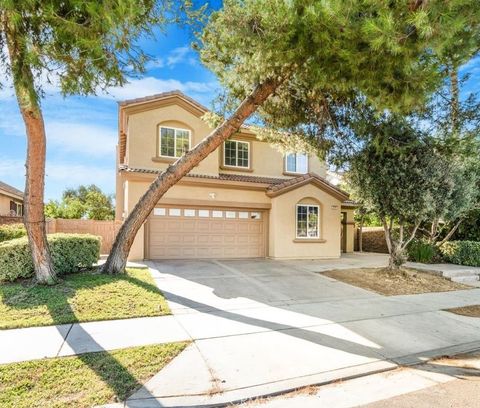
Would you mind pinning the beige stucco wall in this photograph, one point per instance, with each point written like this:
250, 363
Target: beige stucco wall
143, 136
283, 225
266, 160
142, 143
4, 204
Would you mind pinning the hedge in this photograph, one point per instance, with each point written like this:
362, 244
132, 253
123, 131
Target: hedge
462, 252
12, 231
70, 253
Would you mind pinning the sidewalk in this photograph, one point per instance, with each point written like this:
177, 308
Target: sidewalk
70, 339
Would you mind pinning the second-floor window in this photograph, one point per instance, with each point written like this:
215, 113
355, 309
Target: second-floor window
173, 142
236, 154
296, 163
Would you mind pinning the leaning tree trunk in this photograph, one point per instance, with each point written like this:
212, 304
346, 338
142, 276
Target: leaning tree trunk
34, 217
117, 259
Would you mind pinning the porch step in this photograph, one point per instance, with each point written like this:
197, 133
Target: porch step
459, 273
466, 278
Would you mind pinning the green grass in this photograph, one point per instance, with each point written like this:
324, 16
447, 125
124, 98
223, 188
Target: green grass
81, 297
82, 381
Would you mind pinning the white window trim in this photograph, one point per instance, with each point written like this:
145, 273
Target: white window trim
159, 153
231, 165
296, 172
296, 221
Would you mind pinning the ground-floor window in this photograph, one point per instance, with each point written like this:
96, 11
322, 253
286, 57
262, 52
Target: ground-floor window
308, 225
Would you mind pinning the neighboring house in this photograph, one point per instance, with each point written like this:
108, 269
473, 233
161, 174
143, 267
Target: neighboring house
11, 200
246, 199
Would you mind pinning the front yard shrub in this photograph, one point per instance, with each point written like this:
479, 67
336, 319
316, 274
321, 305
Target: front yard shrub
421, 251
70, 253
12, 231
462, 252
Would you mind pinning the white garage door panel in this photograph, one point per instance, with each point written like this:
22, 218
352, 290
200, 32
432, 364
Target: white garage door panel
183, 237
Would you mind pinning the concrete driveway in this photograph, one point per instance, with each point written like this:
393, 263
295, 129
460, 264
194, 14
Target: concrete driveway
262, 326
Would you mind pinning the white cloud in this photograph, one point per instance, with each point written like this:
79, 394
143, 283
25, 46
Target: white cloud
137, 88
177, 56
71, 173
89, 139
9, 167
74, 174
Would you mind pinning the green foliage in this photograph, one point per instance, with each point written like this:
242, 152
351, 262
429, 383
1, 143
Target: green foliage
422, 251
469, 229
462, 252
12, 231
82, 46
86, 380
332, 56
87, 202
398, 173
70, 253
81, 297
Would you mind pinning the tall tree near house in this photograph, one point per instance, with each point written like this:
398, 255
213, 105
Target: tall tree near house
400, 175
455, 124
289, 61
81, 46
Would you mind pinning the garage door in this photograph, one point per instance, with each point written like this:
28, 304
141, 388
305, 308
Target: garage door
183, 233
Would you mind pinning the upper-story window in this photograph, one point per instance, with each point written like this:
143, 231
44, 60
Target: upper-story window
296, 163
173, 142
236, 154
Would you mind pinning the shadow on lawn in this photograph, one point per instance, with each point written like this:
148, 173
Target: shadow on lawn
27, 295
123, 383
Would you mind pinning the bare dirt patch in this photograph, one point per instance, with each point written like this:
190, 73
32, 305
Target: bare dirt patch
470, 311
406, 281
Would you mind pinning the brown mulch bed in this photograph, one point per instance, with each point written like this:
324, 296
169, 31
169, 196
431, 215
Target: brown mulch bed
406, 281
470, 311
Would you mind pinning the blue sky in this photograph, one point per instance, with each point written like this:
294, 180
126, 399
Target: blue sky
82, 131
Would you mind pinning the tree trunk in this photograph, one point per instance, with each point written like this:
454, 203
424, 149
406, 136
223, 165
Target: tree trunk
397, 258
34, 217
455, 105
117, 259
451, 232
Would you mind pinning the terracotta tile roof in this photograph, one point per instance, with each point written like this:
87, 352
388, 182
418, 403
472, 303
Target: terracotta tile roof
10, 189
304, 179
275, 185
163, 95
221, 176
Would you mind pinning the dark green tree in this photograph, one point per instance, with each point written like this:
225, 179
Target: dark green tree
401, 176
291, 61
82, 46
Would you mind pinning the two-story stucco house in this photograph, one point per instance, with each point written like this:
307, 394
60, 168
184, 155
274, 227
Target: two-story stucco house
11, 200
244, 200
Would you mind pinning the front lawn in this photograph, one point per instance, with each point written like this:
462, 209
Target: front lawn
81, 297
82, 381
407, 281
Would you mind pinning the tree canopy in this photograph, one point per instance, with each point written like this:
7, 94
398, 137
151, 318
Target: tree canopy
334, 55
87, 202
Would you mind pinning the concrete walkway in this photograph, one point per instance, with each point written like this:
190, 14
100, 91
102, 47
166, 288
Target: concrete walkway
70, 339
